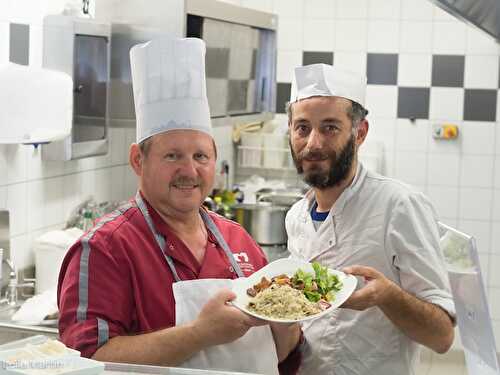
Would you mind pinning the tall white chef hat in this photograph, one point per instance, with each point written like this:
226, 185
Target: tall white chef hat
168, 76
327, 80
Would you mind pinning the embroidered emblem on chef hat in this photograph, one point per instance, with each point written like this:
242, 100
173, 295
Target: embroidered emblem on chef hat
168, 76
327, 80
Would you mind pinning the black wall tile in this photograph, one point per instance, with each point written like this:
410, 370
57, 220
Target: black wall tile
217, 62
413, 102
19, 50
311, 57
382, 68
448, 70
480, 105
282, 96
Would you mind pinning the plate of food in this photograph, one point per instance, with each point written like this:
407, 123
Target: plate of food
291, 290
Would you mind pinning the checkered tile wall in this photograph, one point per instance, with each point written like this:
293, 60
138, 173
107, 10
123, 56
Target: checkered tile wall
479, 104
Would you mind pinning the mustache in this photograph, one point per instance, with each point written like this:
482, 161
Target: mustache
182, 180
313, 155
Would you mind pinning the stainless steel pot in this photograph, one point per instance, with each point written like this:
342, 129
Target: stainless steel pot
265, 222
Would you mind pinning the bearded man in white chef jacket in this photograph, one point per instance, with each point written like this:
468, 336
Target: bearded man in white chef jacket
373, 227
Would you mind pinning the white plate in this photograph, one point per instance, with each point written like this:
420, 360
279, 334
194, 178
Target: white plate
289, 267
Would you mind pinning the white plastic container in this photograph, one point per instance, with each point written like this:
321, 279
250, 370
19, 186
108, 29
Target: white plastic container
50, 249
251, 149
275, 151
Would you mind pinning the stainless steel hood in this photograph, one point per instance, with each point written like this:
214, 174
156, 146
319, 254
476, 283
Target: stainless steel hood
485, 14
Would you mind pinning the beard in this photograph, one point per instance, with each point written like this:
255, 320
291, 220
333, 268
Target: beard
340, 165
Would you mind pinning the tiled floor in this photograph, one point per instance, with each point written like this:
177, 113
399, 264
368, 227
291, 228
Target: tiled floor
451, 363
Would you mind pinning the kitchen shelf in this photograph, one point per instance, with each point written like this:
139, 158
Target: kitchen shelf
265, 158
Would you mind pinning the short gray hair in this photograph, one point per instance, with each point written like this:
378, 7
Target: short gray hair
356, 113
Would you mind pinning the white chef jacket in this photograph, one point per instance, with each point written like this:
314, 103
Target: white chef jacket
381, 223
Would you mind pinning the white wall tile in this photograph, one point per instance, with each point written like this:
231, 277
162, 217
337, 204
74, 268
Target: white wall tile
352, 9
449, 38
3, 197
87, 180
478, 42
475, 203
20, 251
36, 168
442, 146
412, 136
496, 181
354, 61
416, 37
290, 34
130, 186
16, 160
36, 197
476, 171
441, 15
411, 167
54, 199
350, 35
262, 5
477, 137
4, 41
481, 72
3, 165
416, 10
414, 70
383, 36
481, 230
102, 185
444, 199
443, 169
495, 241
73, 193
446, 104
17, 206
288, 9
382, 130
36, 45
384, 9
320, 9
496, 204
117, 191
319, 35
26, 11
381, 100
117, 149
388, 163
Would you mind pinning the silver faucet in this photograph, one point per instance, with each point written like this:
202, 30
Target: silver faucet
11, 293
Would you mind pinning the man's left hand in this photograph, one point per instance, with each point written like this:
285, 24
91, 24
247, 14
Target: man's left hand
376, 292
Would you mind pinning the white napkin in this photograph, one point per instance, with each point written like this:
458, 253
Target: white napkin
36, 308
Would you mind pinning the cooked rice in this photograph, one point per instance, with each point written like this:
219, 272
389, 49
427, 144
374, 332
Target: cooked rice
282, 302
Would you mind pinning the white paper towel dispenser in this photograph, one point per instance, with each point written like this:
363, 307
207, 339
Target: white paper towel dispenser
37, 104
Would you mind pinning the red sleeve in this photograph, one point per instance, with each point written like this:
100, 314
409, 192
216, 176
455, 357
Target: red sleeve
87, 320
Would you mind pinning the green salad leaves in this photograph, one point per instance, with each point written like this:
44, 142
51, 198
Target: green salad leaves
318, 286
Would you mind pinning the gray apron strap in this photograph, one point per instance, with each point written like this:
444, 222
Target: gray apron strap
222, 242
160, 240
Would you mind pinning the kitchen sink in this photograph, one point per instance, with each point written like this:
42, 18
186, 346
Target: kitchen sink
6, 323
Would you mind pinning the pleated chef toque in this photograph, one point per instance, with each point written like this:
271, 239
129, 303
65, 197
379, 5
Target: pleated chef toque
327, 80
168, 76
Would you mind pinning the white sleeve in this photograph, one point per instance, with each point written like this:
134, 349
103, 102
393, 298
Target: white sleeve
412, 240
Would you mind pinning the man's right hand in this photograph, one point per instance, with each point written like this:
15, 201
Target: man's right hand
220, 323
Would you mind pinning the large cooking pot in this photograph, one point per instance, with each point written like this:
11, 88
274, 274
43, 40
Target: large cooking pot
264, 221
